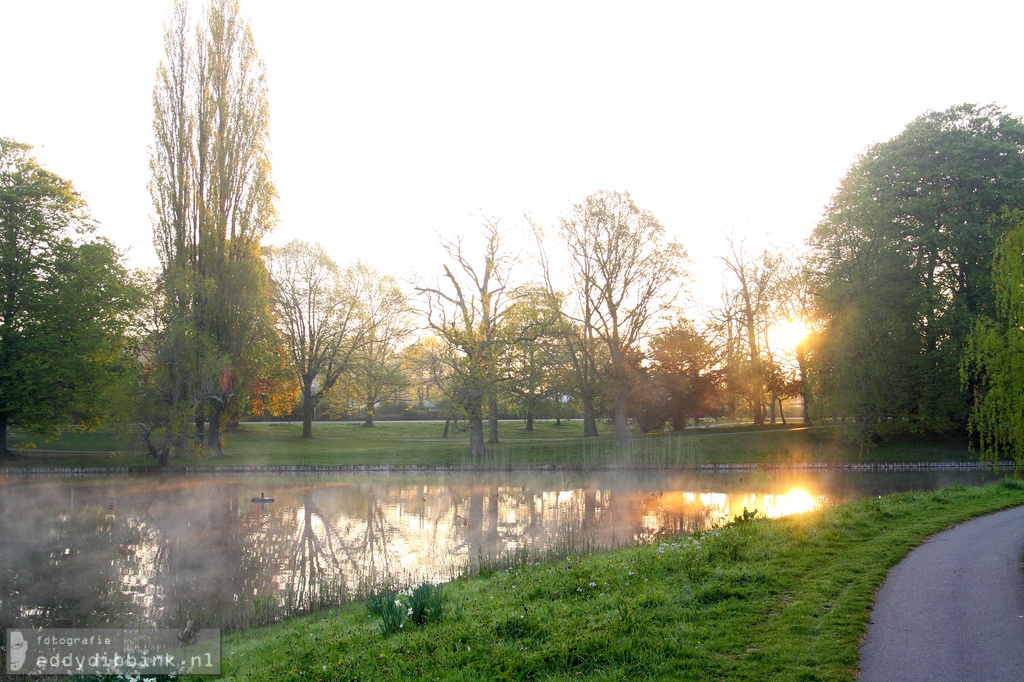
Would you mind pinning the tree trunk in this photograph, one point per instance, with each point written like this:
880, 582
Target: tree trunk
447, 422
589, 418
781, 413
3, 436
475, 421
619, 421
492, 419
757, 405
213, 431
369, 413
160, 452
800, 362
529, 420
308, 406
476, 436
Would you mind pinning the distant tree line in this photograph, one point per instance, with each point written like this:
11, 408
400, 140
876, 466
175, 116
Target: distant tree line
909, 290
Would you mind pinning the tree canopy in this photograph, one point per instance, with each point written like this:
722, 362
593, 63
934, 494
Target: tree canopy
321, 316
993, 367
623, 270
65, 302
213, 201
466, 309
902, 260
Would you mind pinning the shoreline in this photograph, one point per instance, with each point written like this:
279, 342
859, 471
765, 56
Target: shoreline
296, 469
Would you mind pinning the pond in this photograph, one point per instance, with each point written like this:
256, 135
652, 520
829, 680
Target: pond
151, 551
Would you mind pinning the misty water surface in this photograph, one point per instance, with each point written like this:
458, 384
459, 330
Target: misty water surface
150, 551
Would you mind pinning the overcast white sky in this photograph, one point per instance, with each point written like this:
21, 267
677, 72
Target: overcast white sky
392, 121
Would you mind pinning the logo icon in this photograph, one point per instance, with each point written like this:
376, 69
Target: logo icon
17, 650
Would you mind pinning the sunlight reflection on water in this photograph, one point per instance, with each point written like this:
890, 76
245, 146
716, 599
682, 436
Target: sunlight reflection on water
147, 551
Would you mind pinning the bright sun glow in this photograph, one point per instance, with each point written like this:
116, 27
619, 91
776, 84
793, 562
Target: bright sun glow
796, 502
792, 332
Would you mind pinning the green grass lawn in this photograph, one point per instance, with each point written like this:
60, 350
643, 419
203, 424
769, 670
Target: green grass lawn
784, 599
421, 444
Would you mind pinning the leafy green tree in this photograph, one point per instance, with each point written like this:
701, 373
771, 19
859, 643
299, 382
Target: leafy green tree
66, 303
903, 268
376, 368
321, 315
624, 272
685, 377
799, 309
752, 306
213, 200
427, 364
466, 308
993, 366
534, 356
580, 355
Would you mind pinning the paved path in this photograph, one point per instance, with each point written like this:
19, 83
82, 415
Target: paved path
953, 609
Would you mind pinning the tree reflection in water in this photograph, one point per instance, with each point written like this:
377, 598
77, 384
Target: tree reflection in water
148, 551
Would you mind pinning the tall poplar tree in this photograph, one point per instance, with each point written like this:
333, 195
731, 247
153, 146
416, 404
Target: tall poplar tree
213, 201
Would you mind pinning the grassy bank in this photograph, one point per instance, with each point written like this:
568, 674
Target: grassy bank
785, 600
421, 444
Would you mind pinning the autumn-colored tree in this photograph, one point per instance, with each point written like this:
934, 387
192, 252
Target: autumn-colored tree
277, 391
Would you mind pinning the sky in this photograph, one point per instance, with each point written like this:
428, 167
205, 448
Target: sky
395, 123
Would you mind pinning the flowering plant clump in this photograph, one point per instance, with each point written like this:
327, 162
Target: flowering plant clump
425, 603
415, 605
125, 678
691, 554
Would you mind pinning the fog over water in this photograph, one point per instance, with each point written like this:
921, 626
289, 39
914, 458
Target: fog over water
151, 551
